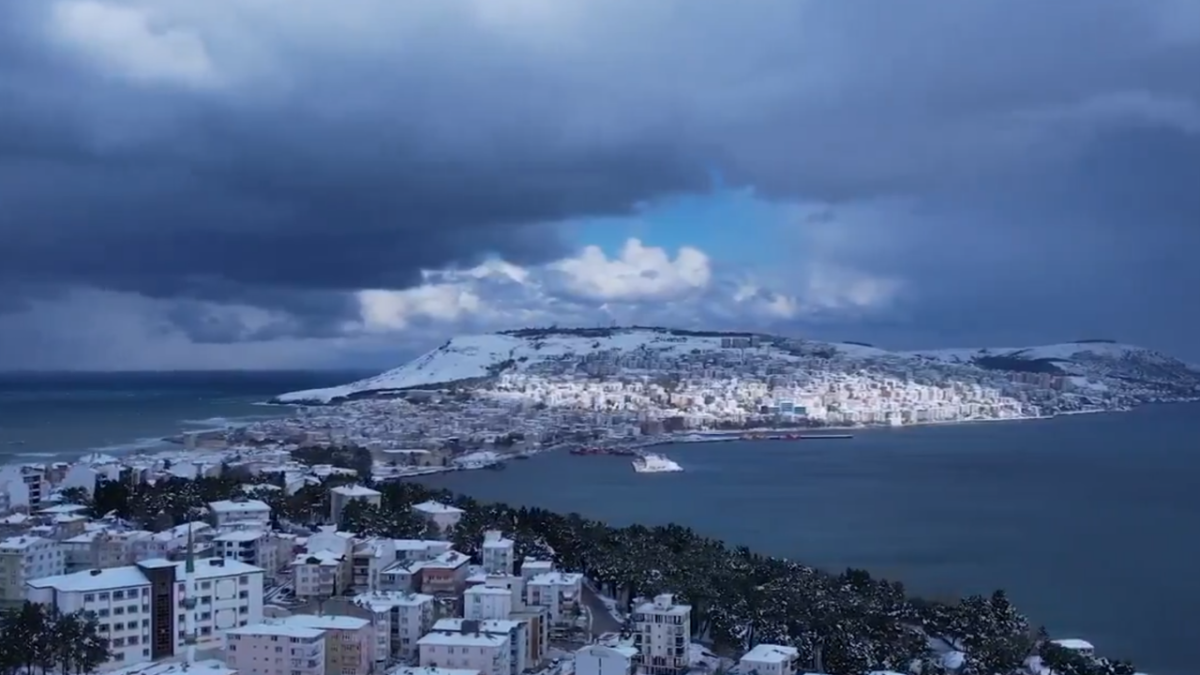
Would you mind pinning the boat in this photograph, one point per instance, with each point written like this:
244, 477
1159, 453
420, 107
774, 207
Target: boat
652, 463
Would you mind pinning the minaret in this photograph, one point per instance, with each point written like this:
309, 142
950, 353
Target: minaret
189, 601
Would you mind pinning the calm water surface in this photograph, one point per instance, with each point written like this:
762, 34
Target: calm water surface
45, 416
1089, 522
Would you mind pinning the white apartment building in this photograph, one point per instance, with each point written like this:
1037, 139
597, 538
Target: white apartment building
517, 633
498, 553
400, 620
150, 624
275, 649
23, 559
602, 660
663, 635
251, 546
767, 659
318, 575
490, 654
249, 512
349, 641
342, 495
482, 602
417, 670
119, 597
168, 542
559, 592
411, 550
532, 567
442, 515
368, 560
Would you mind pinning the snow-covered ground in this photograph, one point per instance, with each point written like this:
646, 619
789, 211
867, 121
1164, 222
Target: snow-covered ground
476, 357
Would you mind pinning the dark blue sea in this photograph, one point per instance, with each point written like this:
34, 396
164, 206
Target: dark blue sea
49, 416
1090, 522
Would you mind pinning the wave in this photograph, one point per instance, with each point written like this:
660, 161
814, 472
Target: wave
219, 423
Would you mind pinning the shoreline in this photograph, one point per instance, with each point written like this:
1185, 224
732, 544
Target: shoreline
172, 444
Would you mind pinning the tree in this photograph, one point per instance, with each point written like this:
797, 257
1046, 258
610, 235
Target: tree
36, 637
75, 495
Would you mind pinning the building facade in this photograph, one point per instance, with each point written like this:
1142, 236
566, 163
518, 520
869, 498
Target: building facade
275, 649
662, 636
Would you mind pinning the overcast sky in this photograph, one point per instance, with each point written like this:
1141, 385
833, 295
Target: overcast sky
267, 183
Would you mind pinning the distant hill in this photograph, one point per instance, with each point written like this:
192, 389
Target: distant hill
473, 360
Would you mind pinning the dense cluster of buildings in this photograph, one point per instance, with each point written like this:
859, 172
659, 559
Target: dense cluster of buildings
228, 594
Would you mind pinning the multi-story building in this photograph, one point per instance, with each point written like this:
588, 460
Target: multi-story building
446, 574
430, 670
150, 624
248, 512
120, 599
767, 659
349, 642
559, 592
441, 515
368, 560
251, 546
24, 486
399, 621
23, 559
470, 649
276, 649
482, 602
516, 633
412, 550
604, 660
499, 553
537, 627
318, 575
342, 495
662, 636
170, 542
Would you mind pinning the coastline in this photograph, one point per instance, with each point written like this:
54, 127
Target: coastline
173, 444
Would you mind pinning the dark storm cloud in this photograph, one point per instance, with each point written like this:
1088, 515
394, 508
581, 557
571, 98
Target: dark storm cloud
237, 196
1041, 150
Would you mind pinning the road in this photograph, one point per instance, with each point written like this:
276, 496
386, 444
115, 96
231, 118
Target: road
602, 621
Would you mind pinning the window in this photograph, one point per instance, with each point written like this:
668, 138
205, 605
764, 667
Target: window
145, 652
205, 585
104, 596
103, 612
89, 597
118, 642
133, 640
118, 626
145, 592
118, 595
244, 581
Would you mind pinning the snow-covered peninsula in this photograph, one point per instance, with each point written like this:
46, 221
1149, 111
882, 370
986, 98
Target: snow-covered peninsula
712, 378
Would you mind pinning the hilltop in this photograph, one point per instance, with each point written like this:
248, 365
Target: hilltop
1126, 374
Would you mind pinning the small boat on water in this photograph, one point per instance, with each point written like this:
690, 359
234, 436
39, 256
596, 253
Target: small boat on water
652, 463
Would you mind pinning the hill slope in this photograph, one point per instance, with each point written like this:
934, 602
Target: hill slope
477, 359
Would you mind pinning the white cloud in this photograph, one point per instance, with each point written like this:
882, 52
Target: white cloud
130, 42
639, 273
642, 285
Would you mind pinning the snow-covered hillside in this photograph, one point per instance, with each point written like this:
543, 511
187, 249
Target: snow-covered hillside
478, 358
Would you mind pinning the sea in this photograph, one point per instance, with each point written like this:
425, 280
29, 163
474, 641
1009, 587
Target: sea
1089, 522
61, 416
